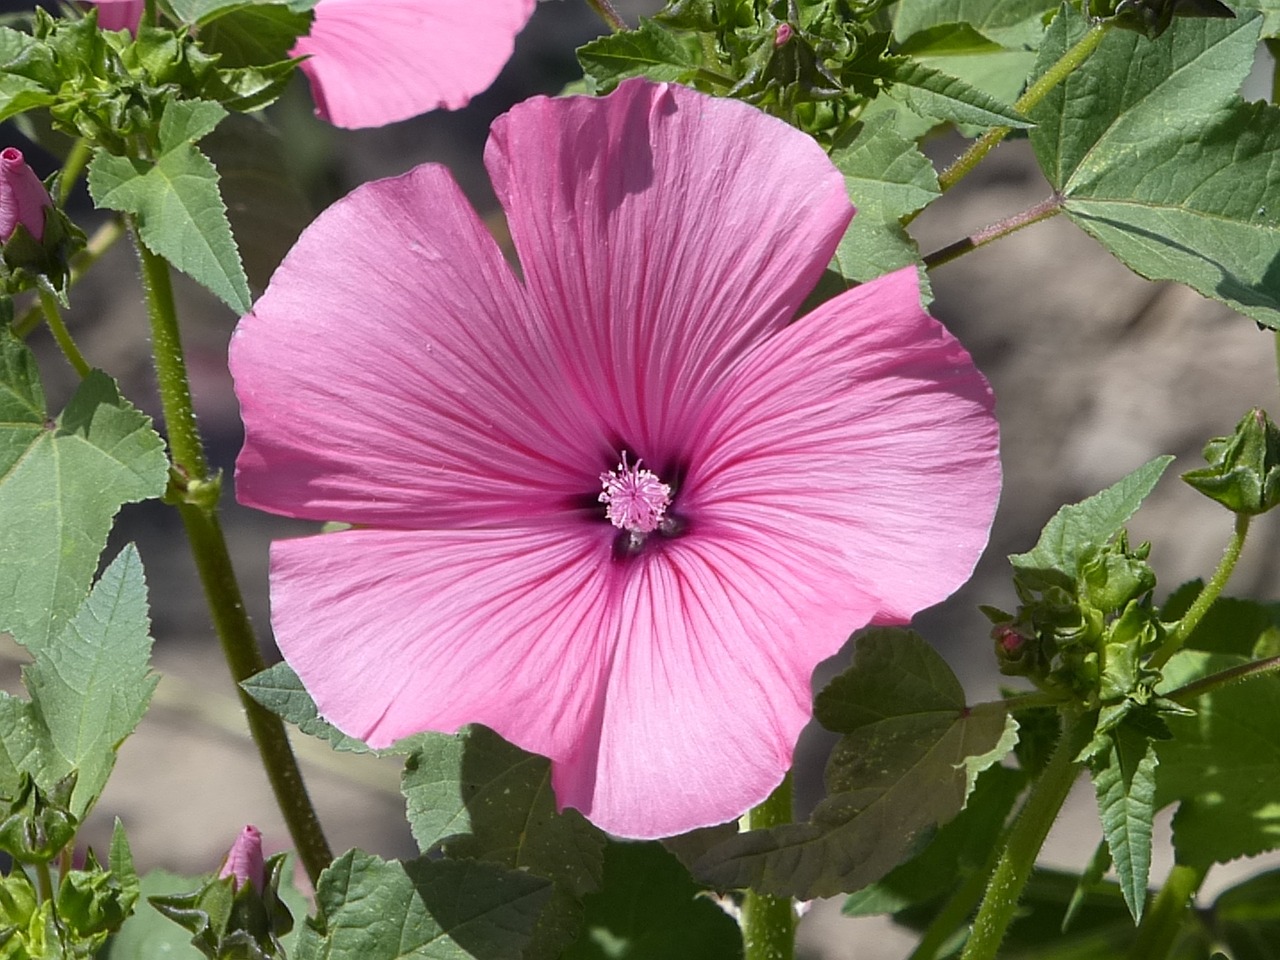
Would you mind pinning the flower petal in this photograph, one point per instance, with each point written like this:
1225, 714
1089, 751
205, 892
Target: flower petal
119, 14
391, 374
662, 232
374, 62
861, 437
395, 632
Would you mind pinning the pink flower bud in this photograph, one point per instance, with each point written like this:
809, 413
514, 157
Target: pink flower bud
244, 860
23, 197
784, 33
119, 14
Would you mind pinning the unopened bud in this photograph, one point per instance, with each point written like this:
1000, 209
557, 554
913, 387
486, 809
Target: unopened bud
23, 198
784, 33
244, 860
119, 14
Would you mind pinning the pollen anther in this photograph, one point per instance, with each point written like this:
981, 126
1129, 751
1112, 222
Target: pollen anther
635, 499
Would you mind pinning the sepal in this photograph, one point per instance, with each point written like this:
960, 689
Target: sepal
1244, 469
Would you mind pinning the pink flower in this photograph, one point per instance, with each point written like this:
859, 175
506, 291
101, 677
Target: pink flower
23, 198
119, 14
374, 62
244, 860
617, 511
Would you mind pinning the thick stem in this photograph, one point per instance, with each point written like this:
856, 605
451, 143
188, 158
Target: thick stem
769, 923
44, 881
197, 496
1025, 839
77, 160
53, 316
1162, 921
1178, 636
1002, 228
1068, 62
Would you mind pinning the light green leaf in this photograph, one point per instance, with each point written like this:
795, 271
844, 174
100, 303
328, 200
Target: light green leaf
1124, 780
91, 685
203, 12
477, 796
1011, 23
650, 50
1270, 10
932, 93
1078, 528
887, 178
1170, 170
650, 909
279, 690
906, 766
371, 909
1222, 765
17, 742
180, 212
61, 483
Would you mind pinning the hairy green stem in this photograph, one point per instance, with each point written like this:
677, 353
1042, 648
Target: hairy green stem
1178, 636
609, 15
101, 241
1002, 228
769, 923
951, 916
1162, 921
1025, 839
53, 316
72, 167
1068, 62
197, 494
1225, 678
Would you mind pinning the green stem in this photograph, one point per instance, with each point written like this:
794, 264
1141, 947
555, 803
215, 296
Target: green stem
1225, 678
951, 916
1163, 919
1025, 839
769, 923
197, 496
53, 316
44, 881
1178, 636
609, 15
77, 160
1068, 62
1273, 48
101, 241
1002, 228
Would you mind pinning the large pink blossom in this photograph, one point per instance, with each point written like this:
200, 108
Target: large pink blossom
619, 509
374, 62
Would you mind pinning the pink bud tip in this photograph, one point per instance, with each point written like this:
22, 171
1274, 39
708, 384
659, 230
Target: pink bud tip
23, 197
244, 860
785, 33
1009, 639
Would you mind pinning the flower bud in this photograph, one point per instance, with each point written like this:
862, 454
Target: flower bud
244, 860
23, 198
119, 14
1244, 468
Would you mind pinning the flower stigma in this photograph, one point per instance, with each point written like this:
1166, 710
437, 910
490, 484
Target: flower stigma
635, 499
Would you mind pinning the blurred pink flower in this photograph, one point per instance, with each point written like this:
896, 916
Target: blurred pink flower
620, 510
23, 198
244, 860
119, 14
374, 62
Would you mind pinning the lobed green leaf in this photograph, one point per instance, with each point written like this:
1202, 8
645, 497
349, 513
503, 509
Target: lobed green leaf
1010, 23
279, 690
1124, 780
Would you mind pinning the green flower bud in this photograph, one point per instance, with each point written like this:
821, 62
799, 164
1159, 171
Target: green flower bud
1244, 468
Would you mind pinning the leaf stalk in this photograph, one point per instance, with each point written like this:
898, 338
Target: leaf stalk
1002, 228
53, 316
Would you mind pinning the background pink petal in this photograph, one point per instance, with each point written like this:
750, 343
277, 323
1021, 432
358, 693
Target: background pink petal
374, 62
861, 437
661, 232
395, 632
392, 374
119, 14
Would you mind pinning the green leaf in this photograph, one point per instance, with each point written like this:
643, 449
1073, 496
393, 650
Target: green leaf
650, 50
279, 690
650, 909
91, 685
1247, 916
1078, 528
1124, 780
906, 766
957, 850
180, 212
1102, 928
147, 935
61, 483
1270, 10
932, 93
478, 797
1170, 170
254, 35
1011, 23
17, 743
371, 909
887, 178
1222, 765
